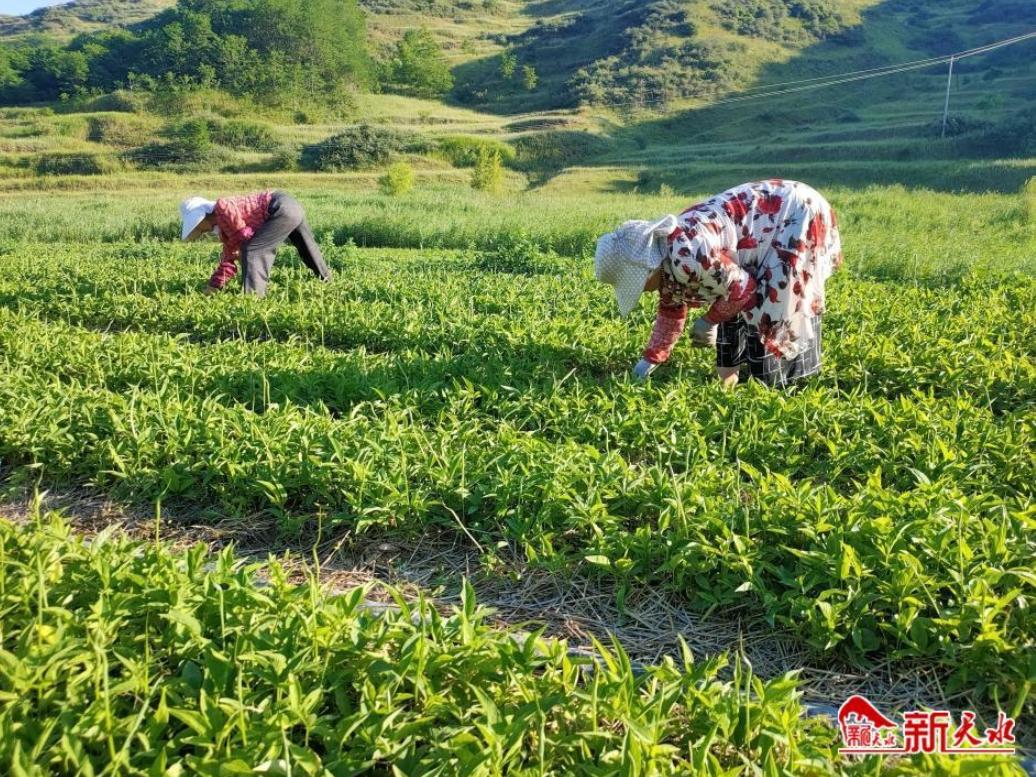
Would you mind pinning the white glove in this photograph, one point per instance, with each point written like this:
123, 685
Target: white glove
643, 369
704, 334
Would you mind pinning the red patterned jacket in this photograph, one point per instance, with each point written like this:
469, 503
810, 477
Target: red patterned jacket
237, 218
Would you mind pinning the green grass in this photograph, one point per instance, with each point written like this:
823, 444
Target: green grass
890, 231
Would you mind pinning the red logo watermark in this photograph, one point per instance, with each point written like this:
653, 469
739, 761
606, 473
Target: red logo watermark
865, 731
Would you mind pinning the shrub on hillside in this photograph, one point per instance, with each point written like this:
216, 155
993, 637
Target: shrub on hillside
419, 66
119, 101
1014, 135
955, 126
781, 20
192, 133
397, 180
189, 146
547, 151
488, 175
692, 69
285, 157
242, 134
74, 164
117, 129
359, 147
463, 150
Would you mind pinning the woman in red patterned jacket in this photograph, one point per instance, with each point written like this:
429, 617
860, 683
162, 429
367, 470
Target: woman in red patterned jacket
251, 228
758, 255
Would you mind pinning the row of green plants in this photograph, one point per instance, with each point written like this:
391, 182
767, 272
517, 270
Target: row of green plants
926, 224
883, 512
124, 657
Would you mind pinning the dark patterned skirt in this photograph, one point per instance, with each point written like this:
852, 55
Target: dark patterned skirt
738, 346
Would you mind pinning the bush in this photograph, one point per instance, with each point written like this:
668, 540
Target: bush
242, 134
285, 157
189, 147
119, 101
173, 154
74, 164
488, 175
1014, 135
955, 125
359, 147
547, 151
191, 133
770, 19
118, 130
692, 69
397, 180
463, 150
419, 66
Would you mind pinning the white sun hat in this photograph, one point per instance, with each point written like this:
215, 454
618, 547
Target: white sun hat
192, 211
626, 258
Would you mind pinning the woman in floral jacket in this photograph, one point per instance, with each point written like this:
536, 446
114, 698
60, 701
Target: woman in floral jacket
758, 255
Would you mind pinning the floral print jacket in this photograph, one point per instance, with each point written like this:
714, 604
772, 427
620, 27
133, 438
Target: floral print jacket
761, 250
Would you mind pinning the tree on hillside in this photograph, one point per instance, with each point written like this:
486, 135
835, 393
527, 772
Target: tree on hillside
52, 71
9, 74
274, 50
530, 78
419, 65
508, 64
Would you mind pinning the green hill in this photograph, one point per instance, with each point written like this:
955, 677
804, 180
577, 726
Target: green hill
79, 16
517, 56
625, 94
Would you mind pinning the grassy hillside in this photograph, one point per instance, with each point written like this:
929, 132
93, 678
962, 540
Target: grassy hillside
687, 95
82, 16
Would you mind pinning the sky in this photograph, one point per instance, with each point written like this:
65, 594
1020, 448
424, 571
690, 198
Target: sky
19, 7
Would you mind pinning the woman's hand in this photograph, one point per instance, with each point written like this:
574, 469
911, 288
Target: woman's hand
703, 335
644, 369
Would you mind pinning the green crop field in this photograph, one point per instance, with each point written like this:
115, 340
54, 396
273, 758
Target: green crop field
573, 572
882, 513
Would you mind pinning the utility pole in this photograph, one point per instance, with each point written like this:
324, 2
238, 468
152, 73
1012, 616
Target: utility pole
946, 106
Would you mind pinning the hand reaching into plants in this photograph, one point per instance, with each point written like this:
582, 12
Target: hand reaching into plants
703, 335
210, 289
643, 369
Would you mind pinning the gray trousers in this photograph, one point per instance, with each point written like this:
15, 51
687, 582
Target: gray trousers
286, 222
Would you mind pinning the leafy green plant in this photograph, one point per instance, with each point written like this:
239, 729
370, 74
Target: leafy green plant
119, 130
359, 147
419, 66
397, 180
464, 150
883, 514
530, 78
488, 175
125, 655
243, 134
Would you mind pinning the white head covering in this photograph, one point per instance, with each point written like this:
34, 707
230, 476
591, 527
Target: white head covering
192, 211
626, 258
